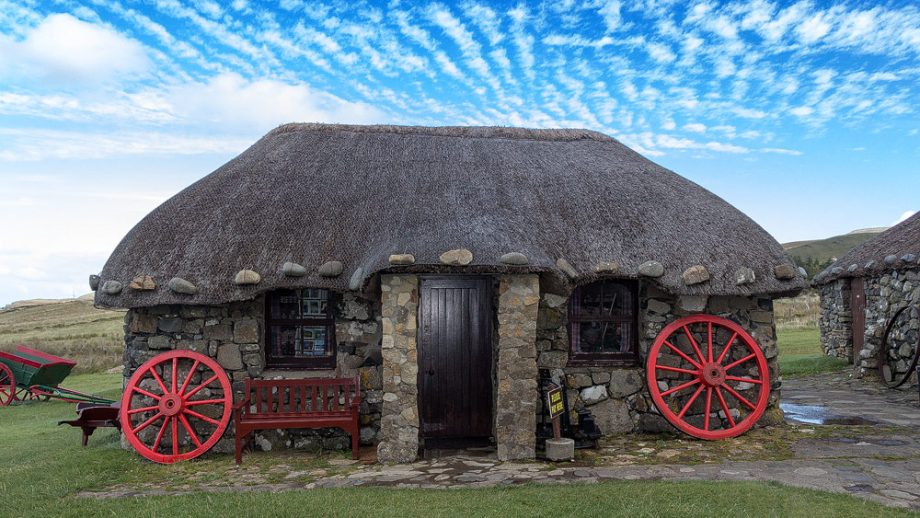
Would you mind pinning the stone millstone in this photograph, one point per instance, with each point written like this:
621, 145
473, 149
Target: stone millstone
247, 277
354, 284
293, 269
180, 285
607, 267
514, 258
402, 259
111, 287
457, 257
745, 275
566, 267
94, 282
143, 283
697, 274
560, 449
651, 269
784, 272
330, 269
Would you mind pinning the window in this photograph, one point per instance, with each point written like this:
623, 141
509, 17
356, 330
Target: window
300, 329
603, 323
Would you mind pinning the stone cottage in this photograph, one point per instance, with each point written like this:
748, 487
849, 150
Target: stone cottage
450, 267
861, 293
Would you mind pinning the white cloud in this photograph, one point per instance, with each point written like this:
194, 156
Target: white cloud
64, 49
695, 127
802, 111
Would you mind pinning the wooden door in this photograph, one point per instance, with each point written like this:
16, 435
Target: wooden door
455, 357
858, 309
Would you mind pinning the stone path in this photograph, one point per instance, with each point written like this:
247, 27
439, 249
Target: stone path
879, 463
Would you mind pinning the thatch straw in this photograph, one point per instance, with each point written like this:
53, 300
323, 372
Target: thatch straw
897, 248
313, 193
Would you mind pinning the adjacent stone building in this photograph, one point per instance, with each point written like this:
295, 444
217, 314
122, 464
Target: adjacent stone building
861, 293
450, 268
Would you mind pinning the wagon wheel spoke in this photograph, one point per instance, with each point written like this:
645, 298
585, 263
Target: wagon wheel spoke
202, 417
743, 400
156, 442
682, 355
146, 393
676, 369
204, 402
143, 409
7, 385
147, 423
728, 346
696, 348
680, 387
736, 363
189, 430
744, 380
709, 377
172, 408
199, 387
158, 379
728, 413
690, 401
188, 377
708, 408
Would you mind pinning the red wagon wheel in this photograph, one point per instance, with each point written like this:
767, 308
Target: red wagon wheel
7, 385
708, 377
183, 393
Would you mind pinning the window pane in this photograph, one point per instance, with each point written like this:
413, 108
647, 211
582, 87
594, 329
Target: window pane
314, 303
285, 305
314, 342
605, 299
604, 337
283, 341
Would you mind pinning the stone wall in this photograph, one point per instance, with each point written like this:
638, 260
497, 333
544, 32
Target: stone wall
516, 369
234, 335
617, 395
400, 422
836, 319
884, 296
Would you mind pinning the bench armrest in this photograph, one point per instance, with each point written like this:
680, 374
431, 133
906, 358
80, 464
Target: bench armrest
242, 404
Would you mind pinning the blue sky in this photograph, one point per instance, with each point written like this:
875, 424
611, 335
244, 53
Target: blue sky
803, 115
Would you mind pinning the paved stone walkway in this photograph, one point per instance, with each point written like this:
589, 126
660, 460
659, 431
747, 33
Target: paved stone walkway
879, 463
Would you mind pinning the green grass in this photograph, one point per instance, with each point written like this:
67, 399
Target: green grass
42, 468
800, 353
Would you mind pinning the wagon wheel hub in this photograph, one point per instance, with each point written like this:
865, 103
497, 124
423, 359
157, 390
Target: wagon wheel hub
713, 374
171, 404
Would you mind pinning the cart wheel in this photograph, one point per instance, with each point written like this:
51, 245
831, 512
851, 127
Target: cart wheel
7, 385
33, 393
900, 347
708, 377
182, 392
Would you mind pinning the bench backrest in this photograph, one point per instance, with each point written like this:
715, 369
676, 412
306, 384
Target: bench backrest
302, 396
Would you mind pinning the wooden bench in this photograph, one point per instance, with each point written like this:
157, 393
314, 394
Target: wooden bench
93, 415
298, 403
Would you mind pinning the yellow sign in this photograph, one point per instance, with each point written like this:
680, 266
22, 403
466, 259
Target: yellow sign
556, 406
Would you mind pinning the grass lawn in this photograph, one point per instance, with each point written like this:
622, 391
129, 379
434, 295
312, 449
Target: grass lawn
42, 468
800, 353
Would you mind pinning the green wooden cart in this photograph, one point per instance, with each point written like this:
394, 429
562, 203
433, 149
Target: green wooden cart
32, 374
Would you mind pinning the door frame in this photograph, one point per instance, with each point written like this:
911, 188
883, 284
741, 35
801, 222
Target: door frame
857, 317
487, 314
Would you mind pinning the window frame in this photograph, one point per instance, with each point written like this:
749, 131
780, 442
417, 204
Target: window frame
604, 359
302, 363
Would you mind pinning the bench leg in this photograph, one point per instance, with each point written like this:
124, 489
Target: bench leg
355, 444
87, 431
239, 448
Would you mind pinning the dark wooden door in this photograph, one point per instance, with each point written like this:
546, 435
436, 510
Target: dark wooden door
858, 309
455, 357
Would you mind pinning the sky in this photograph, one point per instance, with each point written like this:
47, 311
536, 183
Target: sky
803, 115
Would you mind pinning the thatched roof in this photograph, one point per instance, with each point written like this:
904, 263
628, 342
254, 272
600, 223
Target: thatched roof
312, 193
897, 248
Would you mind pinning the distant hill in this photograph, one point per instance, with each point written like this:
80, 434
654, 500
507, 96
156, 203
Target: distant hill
70, 328
815, 255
